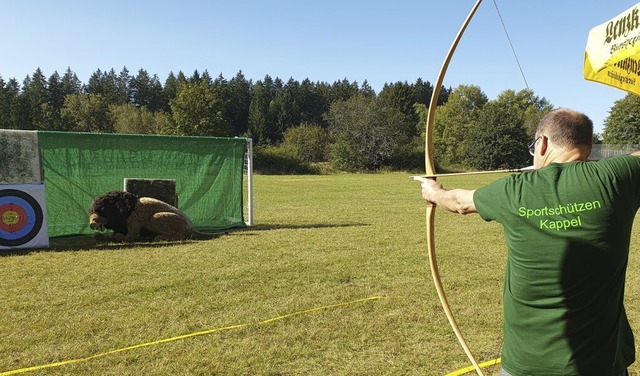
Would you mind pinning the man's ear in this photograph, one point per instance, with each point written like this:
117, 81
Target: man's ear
544, 143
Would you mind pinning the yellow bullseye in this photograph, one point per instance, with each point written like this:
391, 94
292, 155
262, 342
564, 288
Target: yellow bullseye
10, 217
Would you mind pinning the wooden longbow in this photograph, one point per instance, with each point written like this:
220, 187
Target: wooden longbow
430, 211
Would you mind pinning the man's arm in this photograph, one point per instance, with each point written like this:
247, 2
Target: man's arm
454, 200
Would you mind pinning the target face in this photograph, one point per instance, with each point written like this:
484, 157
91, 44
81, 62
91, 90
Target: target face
20, 217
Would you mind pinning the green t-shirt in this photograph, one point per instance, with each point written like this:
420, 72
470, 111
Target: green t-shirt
567, 228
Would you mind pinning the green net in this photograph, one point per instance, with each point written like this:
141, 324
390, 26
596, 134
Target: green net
81, 166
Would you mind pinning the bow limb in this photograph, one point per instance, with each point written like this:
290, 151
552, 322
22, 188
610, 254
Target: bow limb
430, 212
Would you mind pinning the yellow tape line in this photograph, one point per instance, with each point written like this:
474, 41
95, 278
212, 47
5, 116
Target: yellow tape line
58, 364
471, 369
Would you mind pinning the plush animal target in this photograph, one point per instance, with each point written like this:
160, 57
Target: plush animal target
21, 218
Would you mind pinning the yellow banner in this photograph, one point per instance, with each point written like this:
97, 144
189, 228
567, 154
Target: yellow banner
612, 56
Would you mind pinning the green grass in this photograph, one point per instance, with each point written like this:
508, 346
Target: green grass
317, 241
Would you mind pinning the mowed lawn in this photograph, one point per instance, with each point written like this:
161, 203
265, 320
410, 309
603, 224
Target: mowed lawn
332, 279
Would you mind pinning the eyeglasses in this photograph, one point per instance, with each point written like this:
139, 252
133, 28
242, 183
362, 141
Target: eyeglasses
532, 146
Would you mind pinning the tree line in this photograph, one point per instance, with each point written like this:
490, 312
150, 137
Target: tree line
292, 123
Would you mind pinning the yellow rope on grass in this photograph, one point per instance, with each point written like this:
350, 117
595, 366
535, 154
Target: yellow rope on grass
465, 370
209, 331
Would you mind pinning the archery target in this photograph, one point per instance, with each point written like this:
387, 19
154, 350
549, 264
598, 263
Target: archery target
23, 216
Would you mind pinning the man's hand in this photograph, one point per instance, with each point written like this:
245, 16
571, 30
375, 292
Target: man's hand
429, 188
456, 200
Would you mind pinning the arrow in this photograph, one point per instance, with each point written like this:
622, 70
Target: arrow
433, 176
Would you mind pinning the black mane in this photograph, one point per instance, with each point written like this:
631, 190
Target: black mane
116, 207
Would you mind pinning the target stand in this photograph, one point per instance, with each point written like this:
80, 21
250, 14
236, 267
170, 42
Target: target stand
23, 216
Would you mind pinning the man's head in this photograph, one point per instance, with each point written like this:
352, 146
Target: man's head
563, 135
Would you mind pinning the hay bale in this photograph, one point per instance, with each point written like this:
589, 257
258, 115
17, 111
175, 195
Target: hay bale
20, 156
161, 189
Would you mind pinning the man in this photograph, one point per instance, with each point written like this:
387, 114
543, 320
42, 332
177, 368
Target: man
567, 226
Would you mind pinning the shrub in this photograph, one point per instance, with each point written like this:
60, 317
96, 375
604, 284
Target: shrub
278, 160
309, 142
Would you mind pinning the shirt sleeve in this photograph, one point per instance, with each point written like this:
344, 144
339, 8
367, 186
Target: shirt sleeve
489, 199
626, 169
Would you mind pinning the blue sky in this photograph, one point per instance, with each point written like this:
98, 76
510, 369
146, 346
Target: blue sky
329, 40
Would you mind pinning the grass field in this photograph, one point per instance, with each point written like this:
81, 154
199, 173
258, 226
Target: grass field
284, 297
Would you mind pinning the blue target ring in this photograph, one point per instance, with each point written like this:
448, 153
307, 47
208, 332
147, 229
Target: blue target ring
20, 217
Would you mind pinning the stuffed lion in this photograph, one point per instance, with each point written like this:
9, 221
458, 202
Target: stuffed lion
128, 215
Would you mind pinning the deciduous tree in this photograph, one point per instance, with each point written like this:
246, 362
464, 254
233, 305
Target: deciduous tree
365, 134
197, 111
87, 113
622, 126
500, 136
128, 118
453, 122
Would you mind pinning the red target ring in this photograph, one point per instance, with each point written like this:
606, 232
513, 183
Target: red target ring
21, 217
13, 217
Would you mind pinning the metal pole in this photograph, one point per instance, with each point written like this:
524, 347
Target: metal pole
249, 221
